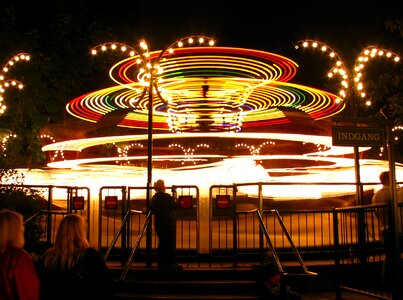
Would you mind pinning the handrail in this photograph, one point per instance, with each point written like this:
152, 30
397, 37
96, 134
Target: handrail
119, 232
267, 236
359, 207
294, 248
33, 216
136, 245
45, 211
270, 244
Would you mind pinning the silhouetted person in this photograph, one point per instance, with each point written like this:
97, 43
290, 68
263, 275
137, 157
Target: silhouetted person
18, 278
382, 196
164, 209
71, 269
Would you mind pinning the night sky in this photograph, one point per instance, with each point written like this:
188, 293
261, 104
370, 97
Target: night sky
268, 25
273, 26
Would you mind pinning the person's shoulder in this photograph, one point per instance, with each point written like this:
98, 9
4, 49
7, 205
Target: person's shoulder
91, 251
381, 195
382, 190
161, 195
157, 195
92, 259
168, 195
18, 255
19, 252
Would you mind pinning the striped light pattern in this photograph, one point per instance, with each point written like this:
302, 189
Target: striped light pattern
203, 88
5, 82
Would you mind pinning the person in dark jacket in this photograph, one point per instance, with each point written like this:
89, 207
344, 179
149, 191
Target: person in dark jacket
71, 269
163, 208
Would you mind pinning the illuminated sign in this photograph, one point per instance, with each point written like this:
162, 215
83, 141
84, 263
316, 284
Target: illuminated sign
111, 202
222, 201
78, 203
358, 136
185, 201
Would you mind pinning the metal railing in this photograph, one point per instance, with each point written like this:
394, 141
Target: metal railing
364, 246
135, 247
124, 223
349, 235
270, 245
310, 229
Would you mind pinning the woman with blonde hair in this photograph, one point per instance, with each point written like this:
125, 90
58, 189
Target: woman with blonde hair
71, 269
18, 278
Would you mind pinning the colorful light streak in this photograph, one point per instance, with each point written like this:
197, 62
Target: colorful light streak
205, 89
220, 90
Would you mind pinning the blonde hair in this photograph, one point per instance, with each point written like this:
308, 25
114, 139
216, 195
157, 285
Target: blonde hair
70, 244
11, 229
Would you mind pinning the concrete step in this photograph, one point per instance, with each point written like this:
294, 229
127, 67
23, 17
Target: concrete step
206, 283
211, 284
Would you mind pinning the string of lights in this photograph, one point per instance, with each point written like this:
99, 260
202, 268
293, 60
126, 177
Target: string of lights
5, 82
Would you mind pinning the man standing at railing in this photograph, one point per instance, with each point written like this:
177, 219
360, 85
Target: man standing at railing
164, 209
382, 196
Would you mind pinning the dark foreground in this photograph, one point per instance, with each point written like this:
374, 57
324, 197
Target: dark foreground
215, 281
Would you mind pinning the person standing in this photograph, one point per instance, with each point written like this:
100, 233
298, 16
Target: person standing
163, 208
71, 269
382, 196
18, 277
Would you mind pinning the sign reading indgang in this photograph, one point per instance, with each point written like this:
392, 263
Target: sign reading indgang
358, 136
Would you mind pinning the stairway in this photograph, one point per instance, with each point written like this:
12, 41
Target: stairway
211, 283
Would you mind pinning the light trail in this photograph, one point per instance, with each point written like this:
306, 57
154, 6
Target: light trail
219, 90
331, 165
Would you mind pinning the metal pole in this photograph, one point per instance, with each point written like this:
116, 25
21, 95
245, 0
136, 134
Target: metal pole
359, 188
361, 216
358, 176
149, 167
393, 224
354, 113
336, 254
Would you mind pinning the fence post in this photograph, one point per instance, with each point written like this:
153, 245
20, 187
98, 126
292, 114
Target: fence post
234, 226
125, 229
393, 214
149, 230
362, 243
336, 254
261, 244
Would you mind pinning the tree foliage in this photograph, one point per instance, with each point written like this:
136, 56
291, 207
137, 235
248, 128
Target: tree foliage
57, 72
29, 203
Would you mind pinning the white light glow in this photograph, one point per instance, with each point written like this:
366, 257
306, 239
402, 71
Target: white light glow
225, 170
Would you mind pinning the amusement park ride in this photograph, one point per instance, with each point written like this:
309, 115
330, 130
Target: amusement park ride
208, 114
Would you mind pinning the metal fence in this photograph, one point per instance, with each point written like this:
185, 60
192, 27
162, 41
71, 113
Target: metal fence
221, 227
215, 225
